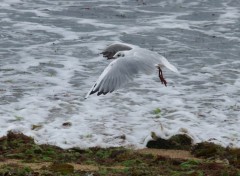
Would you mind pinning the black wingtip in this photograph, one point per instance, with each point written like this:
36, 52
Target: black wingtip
93, 92
100, 93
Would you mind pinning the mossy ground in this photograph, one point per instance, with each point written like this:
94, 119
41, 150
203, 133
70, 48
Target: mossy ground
20, 155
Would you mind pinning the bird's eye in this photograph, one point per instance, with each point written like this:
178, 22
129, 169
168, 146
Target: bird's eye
119, 55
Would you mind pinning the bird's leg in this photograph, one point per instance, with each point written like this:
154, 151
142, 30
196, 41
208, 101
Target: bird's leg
163, 81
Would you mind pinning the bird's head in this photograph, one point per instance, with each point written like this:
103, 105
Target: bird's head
119, 54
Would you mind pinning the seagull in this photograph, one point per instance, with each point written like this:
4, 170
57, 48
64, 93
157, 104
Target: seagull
128, 61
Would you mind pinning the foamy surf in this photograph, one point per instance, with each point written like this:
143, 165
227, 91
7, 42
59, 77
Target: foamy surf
49, 53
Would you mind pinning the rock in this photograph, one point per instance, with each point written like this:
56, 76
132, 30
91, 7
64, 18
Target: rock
67, 124
179, 142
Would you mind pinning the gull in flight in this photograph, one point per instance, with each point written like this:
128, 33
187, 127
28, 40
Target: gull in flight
128, 61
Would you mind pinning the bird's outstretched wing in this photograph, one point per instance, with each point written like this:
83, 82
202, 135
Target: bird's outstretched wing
121, 71
112, 49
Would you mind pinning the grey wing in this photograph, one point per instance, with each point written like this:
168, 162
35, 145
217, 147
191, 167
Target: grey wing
118, 73
111, 50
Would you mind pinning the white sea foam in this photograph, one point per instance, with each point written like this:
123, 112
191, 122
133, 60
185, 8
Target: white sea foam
49, 59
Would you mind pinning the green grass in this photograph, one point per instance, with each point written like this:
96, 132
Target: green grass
15, 170
114, 161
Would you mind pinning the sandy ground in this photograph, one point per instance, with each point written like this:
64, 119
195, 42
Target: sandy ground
175, 154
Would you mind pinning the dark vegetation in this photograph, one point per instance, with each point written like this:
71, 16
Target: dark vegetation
20, 155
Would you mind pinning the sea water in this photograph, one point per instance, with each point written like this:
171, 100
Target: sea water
49, 59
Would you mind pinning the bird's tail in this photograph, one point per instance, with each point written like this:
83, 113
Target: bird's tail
165, 63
